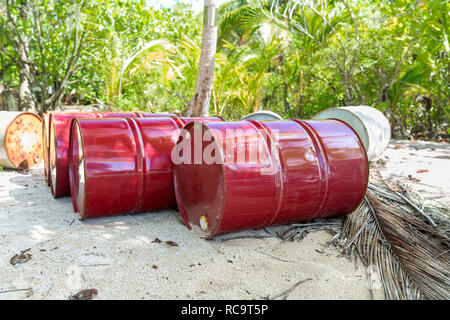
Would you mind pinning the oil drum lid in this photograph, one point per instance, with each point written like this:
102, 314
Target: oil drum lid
23, 140
201, 204
350, 119
262, 115
370, 124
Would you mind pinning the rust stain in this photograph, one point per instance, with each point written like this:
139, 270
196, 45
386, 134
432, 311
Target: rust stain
24, 140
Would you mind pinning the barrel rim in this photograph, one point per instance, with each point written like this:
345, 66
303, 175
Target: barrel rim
50, 119
74, 125
45, 117
267, 112
53, 184
355, 117
46, 136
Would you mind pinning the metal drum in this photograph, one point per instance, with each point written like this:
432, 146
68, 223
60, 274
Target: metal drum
120, 166
262, 115
20, 139
59, 131
45, 139
370, 124
253, 174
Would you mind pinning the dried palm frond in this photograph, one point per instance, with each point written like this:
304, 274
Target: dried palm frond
405, 241
287, 232
297, 231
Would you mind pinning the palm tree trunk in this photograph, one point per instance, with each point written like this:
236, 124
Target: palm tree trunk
199, 105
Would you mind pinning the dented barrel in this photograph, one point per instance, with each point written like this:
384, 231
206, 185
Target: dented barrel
132, 155
232, 176
370, 124
20, 139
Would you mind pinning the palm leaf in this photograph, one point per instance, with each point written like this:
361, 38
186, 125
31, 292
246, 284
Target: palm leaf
155, 45
391, 232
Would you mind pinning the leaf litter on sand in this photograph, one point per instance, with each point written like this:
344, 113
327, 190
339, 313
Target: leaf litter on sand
395, 232
86, 294
21, 257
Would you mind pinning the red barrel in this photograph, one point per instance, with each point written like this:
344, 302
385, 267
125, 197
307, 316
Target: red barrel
46, 137
267, 173
59, 131
119, 166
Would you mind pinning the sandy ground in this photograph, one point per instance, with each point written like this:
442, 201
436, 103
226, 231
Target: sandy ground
118, 255
422, 166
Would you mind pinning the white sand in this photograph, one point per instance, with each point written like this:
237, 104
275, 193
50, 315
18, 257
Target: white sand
116, 255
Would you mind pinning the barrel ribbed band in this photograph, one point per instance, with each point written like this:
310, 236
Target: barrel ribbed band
323, 164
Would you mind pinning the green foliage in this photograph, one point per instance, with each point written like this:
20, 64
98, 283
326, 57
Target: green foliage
292, 57
130, 53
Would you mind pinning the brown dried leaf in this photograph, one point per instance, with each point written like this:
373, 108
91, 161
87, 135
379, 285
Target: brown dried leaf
422, 170
86, 294
20, 257
29, 293
172, 243
410, 177
156, 241
398, 146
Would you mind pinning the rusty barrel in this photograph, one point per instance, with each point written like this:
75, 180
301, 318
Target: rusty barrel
370, 124
121, 166
20, 139
253, 174
59, 131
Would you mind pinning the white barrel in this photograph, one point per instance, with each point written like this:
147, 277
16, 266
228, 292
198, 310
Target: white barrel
262, 115
20, 139
370, 124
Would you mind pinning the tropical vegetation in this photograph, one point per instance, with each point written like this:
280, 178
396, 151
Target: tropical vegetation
294, 57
